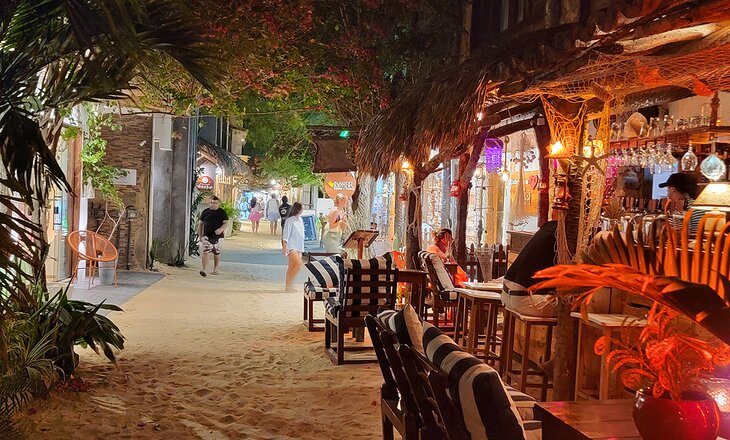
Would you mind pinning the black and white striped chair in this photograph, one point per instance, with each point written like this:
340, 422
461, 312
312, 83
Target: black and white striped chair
324, 282
369, 285
490, 409
443, 298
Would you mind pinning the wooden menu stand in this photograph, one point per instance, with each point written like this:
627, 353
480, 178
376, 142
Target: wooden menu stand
360, 239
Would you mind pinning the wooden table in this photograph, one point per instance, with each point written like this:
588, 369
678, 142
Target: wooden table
608, 324
418, 279
470, 313
587, 420
493, 286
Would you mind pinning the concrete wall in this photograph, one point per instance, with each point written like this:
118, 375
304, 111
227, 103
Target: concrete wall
171, 187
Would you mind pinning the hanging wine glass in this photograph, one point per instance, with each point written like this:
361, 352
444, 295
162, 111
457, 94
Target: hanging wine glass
689, 160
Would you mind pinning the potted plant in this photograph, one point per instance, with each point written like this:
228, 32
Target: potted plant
232, 214
667, 365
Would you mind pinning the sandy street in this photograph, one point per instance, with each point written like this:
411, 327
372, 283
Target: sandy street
222, 357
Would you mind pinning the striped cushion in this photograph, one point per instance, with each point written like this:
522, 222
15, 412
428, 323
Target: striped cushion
489, 411
443, 280
383, 262
326, 272
405, 324
318, 293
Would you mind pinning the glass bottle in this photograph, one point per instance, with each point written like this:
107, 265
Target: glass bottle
689, 160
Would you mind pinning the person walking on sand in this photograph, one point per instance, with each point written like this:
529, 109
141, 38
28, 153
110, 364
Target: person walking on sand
256, 214
284, 210
292, 243
211, 226
272, 213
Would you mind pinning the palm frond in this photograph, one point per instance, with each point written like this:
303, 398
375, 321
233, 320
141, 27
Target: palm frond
699, 302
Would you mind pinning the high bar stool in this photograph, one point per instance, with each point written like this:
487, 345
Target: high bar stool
525, 370
476, 317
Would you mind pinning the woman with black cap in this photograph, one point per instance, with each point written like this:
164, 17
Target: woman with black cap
681, 193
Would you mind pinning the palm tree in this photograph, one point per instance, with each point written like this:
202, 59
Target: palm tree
55, 54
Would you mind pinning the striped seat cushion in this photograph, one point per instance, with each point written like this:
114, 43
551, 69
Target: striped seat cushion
326, 272
383, 262
405, 324
488, 409
443, 280
318, 293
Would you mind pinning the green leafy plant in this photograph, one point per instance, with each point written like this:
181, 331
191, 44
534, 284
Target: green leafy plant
230, 210
199, 196
179, 259
152, 257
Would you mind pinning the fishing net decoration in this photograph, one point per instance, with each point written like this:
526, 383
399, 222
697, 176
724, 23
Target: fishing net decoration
564, 129
594, 184
608, 76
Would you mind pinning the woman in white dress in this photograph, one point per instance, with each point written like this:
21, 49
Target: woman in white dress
335, 227
292, 243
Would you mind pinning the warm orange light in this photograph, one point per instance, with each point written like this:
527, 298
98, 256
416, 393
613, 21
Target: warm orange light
405, 166
557, 149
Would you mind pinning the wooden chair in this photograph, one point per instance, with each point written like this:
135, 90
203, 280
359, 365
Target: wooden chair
442, 419
92, 248
398, 406
365, 292
443, 298
313, 295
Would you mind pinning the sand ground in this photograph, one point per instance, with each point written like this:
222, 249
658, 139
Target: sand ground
222, 357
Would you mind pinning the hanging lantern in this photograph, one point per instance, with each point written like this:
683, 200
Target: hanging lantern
456, 188
493, 155
561, 197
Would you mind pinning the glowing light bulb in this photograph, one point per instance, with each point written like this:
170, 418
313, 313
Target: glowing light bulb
556, 149
505, 176
406, 165
273, 182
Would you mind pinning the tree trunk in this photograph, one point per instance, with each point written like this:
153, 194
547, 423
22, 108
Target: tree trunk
361, 205
445, 195
467, 165
413, 220
567, 330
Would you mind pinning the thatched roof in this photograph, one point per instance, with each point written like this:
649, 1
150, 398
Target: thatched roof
223, 157
440, 113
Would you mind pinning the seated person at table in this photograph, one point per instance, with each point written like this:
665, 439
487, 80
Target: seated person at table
538, 253
442, 241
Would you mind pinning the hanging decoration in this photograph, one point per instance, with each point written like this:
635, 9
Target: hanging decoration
493, 155
566, 135
594, 182
456, 188
519, 212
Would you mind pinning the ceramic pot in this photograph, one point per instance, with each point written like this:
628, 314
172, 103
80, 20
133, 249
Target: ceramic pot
696, 417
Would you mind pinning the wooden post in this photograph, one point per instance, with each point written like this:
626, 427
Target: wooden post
467, 165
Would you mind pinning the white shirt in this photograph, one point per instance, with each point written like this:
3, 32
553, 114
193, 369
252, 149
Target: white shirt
293, 233
272, 206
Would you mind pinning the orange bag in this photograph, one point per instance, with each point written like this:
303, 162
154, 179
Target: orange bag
460, 277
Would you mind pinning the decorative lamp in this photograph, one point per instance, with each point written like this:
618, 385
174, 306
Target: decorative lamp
716, 195
493, 155
560, 199
505, 175
719, 390
405, 166
558, 151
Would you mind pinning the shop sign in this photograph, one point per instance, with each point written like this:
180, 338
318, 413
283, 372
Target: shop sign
340, 183
204, 183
